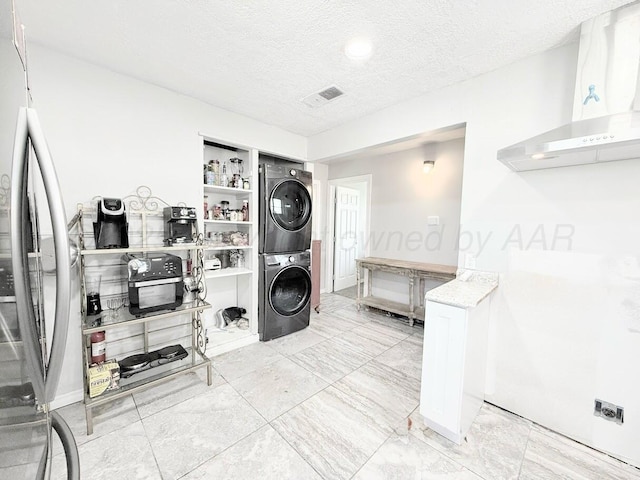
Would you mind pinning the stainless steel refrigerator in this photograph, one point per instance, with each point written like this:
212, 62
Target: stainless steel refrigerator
30, 360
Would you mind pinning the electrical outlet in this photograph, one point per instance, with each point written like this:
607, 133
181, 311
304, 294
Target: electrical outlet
608, 411
469, 261
433, 220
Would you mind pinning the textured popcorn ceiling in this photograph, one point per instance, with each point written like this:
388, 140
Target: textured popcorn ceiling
260, 58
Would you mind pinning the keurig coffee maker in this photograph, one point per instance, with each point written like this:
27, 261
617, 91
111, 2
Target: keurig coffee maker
180, 225
110, 227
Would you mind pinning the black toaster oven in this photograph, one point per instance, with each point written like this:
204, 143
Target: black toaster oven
155, 283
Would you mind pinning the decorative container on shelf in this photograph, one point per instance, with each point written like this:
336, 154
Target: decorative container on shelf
227, 239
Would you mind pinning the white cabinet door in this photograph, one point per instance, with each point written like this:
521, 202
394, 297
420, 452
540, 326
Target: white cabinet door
443, 365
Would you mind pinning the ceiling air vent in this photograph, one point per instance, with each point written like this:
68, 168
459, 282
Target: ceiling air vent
323, 97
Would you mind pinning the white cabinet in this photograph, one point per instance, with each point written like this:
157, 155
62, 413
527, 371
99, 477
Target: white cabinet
453, 367
232, 240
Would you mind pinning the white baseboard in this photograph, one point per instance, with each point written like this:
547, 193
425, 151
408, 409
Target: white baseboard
67, 399
229, 346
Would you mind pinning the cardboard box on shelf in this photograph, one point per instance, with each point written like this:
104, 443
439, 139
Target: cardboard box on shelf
102, 377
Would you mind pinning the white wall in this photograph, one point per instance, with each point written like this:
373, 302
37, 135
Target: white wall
109, 133
565, 326
320, 173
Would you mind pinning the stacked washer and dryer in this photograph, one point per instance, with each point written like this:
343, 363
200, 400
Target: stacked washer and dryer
285, 260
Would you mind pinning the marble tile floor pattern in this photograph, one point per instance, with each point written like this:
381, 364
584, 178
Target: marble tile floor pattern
338, 400
349, 292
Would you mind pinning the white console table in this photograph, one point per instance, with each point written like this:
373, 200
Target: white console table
410, 270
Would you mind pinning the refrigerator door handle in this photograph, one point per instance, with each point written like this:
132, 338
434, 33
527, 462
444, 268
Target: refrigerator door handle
62, 254
20, 262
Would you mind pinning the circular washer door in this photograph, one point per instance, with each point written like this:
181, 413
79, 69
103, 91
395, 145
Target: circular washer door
290, 205
290, 291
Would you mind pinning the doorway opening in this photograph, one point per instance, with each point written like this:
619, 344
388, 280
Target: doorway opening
411, 216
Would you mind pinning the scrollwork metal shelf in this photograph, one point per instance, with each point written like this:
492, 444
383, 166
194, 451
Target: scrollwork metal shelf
146, 232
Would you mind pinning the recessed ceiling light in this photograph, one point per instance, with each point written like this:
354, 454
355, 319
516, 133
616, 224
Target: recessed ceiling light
537, 156
358, 49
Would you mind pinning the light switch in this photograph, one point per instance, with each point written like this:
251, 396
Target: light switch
433, 220
469, 261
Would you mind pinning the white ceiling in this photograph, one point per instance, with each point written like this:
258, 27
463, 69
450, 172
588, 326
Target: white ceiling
260, 58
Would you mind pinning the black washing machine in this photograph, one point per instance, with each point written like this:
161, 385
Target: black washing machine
285, 209
285, 294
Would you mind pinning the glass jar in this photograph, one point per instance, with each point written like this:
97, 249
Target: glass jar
225, 209
206, 206
217, 212
233, 258
224, 259
224, 178
209, 176
245, 210
213, 172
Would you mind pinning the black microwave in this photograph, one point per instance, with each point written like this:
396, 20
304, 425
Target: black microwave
155, 283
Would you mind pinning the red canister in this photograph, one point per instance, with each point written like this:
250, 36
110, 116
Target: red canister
98, 347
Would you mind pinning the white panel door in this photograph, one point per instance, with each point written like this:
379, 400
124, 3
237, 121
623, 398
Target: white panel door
346, 237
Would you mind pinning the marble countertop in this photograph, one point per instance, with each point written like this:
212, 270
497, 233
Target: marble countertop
466, 291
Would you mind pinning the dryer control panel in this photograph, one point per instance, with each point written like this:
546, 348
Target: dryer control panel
302, 259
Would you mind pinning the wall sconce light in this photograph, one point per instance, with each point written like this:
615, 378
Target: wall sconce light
428, 165
429, 157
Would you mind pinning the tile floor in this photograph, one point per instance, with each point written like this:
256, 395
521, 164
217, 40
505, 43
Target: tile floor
349, 292
338, 400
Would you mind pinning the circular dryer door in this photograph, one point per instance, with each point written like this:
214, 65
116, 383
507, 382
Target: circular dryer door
290, 205
290, 291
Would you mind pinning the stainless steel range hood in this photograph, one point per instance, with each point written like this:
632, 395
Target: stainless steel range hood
606, 107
